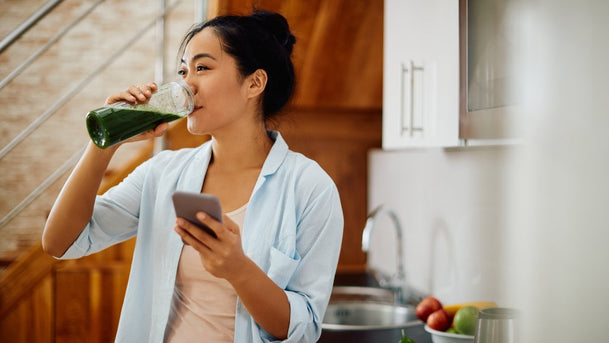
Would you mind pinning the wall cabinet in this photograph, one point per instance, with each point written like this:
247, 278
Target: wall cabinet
447, 72
421, 73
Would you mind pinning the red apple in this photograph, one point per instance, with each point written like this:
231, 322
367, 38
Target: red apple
426, 307
439, 320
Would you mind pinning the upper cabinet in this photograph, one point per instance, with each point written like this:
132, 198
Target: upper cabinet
446, 75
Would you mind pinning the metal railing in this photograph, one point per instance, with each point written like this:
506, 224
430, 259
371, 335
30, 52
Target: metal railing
159, 21
28, 23
47, 45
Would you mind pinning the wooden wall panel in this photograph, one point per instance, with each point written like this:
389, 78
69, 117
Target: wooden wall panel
88, 300
78, 301
72, 312
31, 320
338, 55
24, 274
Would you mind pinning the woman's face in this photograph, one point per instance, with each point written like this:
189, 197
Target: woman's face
220, 91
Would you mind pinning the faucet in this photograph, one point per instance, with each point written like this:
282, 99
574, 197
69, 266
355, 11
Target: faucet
397, 282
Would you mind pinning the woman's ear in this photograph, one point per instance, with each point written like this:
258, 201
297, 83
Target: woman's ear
257, 83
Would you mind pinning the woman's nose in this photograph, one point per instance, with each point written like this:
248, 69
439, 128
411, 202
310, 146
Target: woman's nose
190, 84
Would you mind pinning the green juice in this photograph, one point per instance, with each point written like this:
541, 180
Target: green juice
111, 125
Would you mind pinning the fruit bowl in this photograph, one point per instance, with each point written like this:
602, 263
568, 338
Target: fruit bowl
445, 337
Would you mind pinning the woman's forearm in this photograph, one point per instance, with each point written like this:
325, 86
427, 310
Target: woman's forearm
74, 205
265, 301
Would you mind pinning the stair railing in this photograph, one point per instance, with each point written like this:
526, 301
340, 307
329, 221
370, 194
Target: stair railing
47, 45
28, 23
158, 20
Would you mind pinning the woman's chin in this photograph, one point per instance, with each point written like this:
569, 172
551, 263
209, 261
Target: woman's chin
196, 129
193, 125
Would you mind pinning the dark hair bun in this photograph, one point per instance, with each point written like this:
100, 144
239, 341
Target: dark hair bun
261, 40
278, 26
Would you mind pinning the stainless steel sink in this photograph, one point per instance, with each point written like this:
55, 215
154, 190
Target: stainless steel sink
363, 312
357, 315
369, 315
370, 322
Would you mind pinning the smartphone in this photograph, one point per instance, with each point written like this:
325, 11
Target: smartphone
187, 204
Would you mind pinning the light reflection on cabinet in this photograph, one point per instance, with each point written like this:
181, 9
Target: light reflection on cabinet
488, 31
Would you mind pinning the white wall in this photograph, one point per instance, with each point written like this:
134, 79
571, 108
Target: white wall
559, 240
452, 205
531, 229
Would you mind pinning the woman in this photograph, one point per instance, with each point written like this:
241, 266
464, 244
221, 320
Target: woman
268, 274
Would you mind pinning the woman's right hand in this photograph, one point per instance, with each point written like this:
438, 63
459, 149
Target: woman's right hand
133, 95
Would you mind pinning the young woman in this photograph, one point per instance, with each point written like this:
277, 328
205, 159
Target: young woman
268, 274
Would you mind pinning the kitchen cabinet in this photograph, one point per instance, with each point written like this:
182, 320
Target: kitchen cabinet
421, 73
447, 73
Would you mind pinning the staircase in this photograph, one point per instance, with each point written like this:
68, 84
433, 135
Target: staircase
63, 70
76, 53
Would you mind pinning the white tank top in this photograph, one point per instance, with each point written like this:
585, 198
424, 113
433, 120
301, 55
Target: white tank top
203, 306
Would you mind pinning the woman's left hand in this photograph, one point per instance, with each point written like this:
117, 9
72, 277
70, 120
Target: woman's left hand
221, 256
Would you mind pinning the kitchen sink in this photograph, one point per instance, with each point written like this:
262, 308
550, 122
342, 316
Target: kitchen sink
369, 314
363, 322
355, 315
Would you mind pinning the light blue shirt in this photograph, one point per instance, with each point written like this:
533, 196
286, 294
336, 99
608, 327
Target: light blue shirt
292, 230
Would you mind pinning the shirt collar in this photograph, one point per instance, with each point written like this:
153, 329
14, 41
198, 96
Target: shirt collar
276, 156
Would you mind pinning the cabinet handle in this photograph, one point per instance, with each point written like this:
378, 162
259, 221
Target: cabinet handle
410, 69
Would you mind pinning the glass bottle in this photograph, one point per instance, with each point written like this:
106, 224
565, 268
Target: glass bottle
119, 121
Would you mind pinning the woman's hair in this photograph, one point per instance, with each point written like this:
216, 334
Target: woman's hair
261, 40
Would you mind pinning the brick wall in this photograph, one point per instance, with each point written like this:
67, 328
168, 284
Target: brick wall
52, 76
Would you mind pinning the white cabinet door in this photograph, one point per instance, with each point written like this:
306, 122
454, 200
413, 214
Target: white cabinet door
421, 73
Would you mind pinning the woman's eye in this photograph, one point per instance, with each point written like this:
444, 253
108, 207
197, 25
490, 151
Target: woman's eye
181, 72
201, 68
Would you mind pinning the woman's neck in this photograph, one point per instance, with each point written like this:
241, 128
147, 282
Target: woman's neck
242, 149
